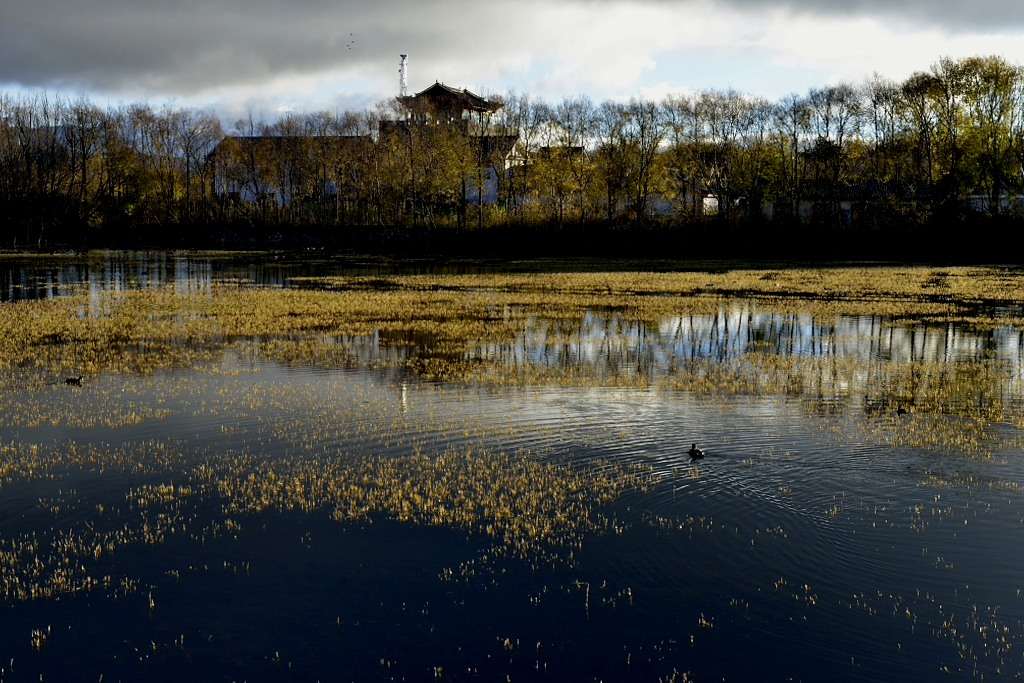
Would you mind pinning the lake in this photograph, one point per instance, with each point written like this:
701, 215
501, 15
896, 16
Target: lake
293, 467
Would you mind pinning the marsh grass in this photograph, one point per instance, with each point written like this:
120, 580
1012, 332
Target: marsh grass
529, 507
522, 507
919, 293
353, 458
466, 328
455, 310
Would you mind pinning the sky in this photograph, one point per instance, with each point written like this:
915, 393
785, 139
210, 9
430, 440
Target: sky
268, 57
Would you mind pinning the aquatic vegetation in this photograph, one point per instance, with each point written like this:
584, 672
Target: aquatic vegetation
61, 563
537, 422
449, 313
896, 292
564, 329
23, 461
531, 508
963, 480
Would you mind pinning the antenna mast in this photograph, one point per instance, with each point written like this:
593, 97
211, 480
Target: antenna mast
403, 76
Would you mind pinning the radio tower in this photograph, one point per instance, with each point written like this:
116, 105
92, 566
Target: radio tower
403, 76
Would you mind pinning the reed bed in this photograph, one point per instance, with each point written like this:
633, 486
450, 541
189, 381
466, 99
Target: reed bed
521, 506
468, 329
951, 293
167, 329
529, 507
347, 452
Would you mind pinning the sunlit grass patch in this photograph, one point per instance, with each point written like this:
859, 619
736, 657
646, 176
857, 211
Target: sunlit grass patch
529, 507
520, 506
476, 328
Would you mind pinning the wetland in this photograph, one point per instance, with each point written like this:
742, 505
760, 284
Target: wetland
297, 467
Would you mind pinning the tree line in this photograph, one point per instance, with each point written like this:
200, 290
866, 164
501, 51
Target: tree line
944, 145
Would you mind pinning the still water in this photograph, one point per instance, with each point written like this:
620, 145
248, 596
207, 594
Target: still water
816, 541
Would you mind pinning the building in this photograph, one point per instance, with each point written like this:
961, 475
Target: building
443, 104
280, 170
455, 123
467, 116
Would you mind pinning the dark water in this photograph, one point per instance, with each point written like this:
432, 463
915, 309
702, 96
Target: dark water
38, 277
802, 548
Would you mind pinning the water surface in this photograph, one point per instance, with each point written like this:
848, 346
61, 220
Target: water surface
822, 538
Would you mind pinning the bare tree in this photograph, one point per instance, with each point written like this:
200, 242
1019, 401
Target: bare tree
644, 133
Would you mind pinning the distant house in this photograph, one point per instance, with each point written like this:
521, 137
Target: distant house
443, 104
1007, 204
495, 155
280, 170
456, 110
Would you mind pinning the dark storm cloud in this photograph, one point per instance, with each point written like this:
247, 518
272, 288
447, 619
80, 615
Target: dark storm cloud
178, 45
182, 46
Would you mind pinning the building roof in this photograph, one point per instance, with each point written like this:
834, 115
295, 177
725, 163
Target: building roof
441, 96
495, 147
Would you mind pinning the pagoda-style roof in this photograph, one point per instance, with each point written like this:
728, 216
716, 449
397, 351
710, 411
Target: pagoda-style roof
440, 97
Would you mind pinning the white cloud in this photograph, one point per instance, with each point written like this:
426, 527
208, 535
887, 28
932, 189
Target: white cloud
313, 54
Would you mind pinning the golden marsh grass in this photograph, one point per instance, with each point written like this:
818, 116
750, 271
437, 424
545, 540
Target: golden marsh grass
465, 328
332, 449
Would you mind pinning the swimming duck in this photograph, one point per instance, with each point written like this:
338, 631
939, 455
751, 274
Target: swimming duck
73, 381
695, 453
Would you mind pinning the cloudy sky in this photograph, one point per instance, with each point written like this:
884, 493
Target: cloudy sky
270, 56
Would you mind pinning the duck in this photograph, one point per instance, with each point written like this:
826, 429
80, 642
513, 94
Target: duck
73, 381
902, 411
695, 453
